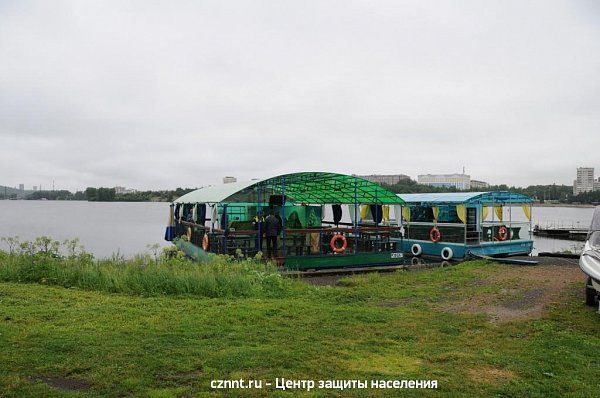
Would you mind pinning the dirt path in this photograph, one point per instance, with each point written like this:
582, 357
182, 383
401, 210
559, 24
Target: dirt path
525, 291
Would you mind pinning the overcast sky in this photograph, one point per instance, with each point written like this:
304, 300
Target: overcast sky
150, 94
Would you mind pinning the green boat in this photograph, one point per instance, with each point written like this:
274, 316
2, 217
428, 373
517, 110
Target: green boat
326, 220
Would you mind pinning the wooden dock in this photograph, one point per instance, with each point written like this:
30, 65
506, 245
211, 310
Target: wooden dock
560, 232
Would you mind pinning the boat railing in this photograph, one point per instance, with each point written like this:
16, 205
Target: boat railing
470, 234
517, 230
450, 232
295, 242
193, 224
561, 224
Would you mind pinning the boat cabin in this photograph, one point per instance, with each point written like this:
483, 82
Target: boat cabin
456, 225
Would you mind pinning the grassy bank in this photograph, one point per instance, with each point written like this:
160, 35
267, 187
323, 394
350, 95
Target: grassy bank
48, 262
480, 329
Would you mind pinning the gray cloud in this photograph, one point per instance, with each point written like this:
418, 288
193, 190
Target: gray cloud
159, 95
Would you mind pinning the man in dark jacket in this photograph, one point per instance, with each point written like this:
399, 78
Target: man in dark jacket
272, 230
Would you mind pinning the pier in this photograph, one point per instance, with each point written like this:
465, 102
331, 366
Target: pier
561, 232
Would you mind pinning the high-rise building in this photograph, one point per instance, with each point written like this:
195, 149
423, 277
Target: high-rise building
458, 181
584, 181
388, 179
229, 180
21, 187
35, 187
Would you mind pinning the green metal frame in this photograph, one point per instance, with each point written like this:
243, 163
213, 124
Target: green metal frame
317, 188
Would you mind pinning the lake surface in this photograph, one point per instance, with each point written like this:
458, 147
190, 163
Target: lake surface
105, 228
576, 217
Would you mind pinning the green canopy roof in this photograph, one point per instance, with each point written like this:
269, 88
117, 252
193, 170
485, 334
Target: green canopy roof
306, 187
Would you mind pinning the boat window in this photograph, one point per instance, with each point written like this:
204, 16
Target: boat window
446, 214
595, 240
421, 214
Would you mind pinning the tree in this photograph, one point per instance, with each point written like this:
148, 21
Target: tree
588, 197
91, 194
50, 195
411, 186
105, 194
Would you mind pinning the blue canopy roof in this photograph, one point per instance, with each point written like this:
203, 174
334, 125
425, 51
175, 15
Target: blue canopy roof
486, 198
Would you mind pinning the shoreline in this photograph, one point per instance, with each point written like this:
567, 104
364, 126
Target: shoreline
574, 205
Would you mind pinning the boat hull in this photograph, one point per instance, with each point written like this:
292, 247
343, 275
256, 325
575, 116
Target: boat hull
314, 262
461, 251
370, 259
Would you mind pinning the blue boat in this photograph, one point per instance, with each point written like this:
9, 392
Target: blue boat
464, 224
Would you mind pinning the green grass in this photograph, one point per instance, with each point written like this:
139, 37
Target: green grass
391, 326
165, 274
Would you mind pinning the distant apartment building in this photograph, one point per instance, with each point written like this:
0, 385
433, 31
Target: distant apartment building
388, 179
229, 180
584, 181
35, 187
458, 181
21, 187
475, 184
123, 190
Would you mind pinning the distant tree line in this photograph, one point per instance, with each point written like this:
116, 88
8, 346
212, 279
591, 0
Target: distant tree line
153, 196
12, 193
543, 193
51, 195
411, 186
103, 194
588, 197
100, 194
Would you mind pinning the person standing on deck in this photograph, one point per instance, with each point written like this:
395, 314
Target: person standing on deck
272, 230
259, 227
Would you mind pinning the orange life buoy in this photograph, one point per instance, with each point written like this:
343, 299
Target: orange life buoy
435, 235
333, 245
502, 233
189, 234
205, 242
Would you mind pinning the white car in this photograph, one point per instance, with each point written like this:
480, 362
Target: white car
590, 261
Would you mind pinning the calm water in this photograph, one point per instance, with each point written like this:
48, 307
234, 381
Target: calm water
127, 228
103, 228
558, 216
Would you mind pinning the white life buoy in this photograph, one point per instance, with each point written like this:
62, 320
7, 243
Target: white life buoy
447, 253
416, 249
